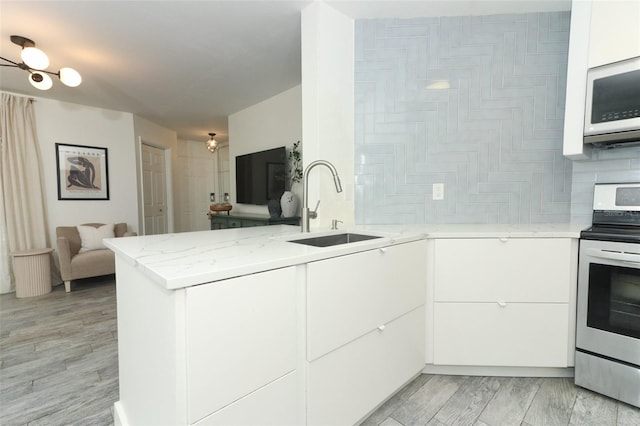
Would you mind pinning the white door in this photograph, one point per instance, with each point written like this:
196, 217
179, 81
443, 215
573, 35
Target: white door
154, 188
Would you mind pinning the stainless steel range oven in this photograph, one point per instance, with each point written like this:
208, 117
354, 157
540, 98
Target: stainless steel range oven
608, 322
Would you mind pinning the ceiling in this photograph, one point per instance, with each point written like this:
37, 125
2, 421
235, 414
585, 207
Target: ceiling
188, 65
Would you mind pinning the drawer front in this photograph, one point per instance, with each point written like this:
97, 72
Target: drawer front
240, 336
508, 270
352, 295
218, 222
247, 223
515, 335
346, 384
275, 404
234, 223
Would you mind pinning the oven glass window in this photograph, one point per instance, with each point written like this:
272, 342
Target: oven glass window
614, 299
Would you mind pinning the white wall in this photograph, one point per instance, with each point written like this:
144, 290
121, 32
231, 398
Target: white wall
153, 134
60, 122
196, 177
272, 123
328, 110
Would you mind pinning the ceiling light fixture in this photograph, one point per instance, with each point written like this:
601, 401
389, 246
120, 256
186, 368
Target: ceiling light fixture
211, 144
34, 61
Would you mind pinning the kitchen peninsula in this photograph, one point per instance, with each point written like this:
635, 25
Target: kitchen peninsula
242, 326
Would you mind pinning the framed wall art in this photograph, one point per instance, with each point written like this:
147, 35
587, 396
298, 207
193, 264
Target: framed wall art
82, 172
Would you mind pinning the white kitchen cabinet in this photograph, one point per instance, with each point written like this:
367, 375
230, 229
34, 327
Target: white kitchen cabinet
208, 353
614, 31
602, 32
346, 384
272, 405
365, 328
351, 295
504, 301
507, 334
240, 336
502, 270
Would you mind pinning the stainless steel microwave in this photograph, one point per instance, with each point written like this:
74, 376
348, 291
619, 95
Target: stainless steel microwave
612, 111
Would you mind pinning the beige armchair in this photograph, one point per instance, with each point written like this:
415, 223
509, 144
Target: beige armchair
75, 264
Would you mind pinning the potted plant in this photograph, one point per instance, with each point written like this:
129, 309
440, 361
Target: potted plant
289, 201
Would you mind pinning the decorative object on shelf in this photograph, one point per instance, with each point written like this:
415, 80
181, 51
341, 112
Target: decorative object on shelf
212, 144
289, 204
34, 61
289, 201
294, 169
275, 210
82, 172
220, 207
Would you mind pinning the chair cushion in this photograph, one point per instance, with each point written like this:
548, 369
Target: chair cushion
91, 237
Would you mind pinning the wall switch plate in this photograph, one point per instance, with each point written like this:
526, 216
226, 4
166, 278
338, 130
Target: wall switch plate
438, 191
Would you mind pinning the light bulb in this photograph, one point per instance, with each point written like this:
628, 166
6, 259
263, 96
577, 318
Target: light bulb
212, 145
70, 77
34, 58
40, 80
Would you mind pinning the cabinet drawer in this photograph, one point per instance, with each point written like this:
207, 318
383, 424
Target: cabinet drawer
247, 223
487, 334
504, 270
275, 404
218, 222
240, 335
352, 295
234, 223
344, 385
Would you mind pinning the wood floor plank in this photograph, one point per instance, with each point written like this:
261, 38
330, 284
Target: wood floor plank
390, 422
58, 357
511, 402
425, 403
592, 409
553, 403
385, 410
628, 415
466, 405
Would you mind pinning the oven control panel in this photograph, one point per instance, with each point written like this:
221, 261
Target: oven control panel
616, 197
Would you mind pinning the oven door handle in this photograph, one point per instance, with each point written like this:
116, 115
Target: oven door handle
613, 255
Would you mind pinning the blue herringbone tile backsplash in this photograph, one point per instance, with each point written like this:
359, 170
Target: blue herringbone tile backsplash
494, 137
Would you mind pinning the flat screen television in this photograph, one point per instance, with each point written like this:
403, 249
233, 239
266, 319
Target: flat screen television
260, 176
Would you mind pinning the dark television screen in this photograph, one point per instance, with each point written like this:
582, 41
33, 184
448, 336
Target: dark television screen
260, 176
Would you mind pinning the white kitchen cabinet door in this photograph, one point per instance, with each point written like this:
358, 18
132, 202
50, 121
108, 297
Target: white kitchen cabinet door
352, 295
614, 31
241, 335
272, 405
503, 270
489, 334
346, 384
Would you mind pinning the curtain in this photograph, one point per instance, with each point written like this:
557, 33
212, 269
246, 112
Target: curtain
22, 207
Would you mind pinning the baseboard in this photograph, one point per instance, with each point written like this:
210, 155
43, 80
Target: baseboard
455, 370
119, 418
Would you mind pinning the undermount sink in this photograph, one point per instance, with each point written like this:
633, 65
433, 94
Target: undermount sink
334, 240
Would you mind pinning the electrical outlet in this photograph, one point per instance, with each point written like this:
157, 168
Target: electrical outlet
438, 191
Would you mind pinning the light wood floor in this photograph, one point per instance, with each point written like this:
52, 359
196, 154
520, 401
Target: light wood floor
59, 366
59, 356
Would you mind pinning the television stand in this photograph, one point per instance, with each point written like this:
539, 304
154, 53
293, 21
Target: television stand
238, 220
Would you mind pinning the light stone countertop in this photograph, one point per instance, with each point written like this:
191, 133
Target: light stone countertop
191, 258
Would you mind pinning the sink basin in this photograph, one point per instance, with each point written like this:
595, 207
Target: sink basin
334, 240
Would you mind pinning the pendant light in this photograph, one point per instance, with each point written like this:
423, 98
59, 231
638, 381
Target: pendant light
212, 144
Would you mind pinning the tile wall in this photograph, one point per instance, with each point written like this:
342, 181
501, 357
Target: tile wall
493, 137
607, 165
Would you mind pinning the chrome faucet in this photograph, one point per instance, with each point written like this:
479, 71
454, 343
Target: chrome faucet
306, 214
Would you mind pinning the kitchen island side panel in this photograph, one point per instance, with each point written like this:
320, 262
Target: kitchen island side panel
151, 356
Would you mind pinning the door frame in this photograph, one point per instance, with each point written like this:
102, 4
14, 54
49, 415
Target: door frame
168, 184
